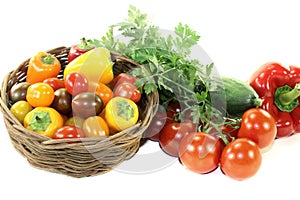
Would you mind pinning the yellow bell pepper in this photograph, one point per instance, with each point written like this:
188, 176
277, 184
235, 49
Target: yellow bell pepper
43, 120
121, 113
95, 64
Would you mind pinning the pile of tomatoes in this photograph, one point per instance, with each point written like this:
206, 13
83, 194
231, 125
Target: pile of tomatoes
237, 151
75, 107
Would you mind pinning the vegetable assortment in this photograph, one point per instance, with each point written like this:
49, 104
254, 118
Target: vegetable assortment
204, 120
79, 104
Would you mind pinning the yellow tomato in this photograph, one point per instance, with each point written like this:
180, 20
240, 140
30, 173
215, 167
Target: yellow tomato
20, 110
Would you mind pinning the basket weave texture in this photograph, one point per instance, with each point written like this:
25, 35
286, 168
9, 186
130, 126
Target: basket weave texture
76, 157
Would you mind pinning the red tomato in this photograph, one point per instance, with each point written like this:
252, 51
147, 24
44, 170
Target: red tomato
171, 135
156, 125
200, 152
55, 83
231, 127
129, 91
259, 126
241, 159
76, 83
67, 132
229, 130
174, 110
121, 78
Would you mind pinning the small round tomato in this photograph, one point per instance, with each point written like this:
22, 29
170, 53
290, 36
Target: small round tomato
171, 135
173, 110
102, 90
40, 94
68, 132
86, 104
76, 83
95, 127
121, 78
18, 92
55, 83
74, 121
158, 122
241, 159
200, 152
259, 126
62, 101
127, 90
20, 109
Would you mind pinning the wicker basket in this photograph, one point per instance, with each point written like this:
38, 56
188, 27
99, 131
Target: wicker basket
81, 157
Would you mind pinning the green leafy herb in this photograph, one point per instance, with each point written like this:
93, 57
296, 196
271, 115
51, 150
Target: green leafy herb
170, 69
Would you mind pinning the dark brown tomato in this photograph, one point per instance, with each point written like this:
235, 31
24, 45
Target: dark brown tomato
18, 92
62, 101
86, 104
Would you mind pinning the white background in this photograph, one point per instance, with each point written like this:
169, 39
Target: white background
239, 36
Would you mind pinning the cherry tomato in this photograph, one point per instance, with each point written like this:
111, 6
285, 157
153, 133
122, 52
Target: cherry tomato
95, 127
229, 130
86, 104
171, 135
20, 109
18, 92
55, 83
200, 152
62, 101
40, 94
241, 159
74, 121
259, 126
102, 90
156, 125
121, 78
128, 90
173, 111
231, 127
67, 132
76, 83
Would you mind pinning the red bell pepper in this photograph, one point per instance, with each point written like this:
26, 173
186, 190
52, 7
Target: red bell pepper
77, 50
279, 88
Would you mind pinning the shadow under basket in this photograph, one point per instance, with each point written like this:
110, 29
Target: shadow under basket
81, 157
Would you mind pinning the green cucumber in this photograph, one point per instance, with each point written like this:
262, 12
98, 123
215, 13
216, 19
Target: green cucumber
238, 95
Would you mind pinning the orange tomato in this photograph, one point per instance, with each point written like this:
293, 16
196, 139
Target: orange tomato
102, 90
95, 127
40, 94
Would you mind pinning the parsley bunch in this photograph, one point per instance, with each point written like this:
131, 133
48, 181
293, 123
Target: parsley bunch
169, 67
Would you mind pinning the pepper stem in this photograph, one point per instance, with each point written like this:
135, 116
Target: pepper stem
84, 44
48, 59
286, 98
40, 121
